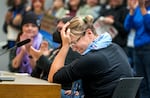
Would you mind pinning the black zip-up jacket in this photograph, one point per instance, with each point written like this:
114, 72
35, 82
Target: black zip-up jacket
99, 70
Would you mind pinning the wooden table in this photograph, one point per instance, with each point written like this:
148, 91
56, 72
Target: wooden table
25, 86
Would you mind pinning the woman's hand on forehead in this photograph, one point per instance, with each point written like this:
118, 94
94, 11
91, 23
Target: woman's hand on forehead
65, 34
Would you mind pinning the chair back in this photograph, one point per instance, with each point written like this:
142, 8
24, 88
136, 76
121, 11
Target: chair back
127, 87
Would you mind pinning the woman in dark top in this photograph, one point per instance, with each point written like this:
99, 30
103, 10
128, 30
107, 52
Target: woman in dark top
101, 65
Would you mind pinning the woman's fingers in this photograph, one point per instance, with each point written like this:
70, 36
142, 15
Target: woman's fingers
64, 29
65, 34
68, 92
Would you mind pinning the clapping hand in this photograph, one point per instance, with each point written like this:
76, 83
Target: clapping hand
26, 46
141, 3
44, 48
43, 51
133, 4
108, 20
8, 17
17, 20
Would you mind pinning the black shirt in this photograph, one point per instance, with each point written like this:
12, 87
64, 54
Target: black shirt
99, 70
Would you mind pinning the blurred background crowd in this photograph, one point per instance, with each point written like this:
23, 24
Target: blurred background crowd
130, 18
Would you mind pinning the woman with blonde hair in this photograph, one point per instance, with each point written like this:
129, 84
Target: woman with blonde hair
101, 65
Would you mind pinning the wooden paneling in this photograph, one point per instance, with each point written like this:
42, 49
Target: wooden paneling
25, 86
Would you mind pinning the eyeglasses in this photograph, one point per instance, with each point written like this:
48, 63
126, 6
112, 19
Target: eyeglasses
76, 41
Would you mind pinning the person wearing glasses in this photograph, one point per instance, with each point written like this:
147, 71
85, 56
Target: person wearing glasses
101, 64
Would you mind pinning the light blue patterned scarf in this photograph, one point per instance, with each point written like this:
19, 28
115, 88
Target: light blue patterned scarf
103, 41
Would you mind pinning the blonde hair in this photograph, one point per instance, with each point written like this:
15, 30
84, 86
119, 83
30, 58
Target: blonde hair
78, 25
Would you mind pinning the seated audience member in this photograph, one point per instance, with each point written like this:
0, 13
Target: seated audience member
30, 30
44, 58
101, 65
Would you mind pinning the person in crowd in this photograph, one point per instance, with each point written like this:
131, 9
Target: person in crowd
91, 7
44, 58
30, 30
114, 14
37, 6
138, 19
130, 44
101, 65
38, 9
13, 19
71, 9
56, 7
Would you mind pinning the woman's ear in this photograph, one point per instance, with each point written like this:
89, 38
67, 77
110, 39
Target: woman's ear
90, 34
89, 31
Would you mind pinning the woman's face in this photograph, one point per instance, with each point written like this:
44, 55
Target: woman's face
58, 3
30, 29
37, 5
80, 43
